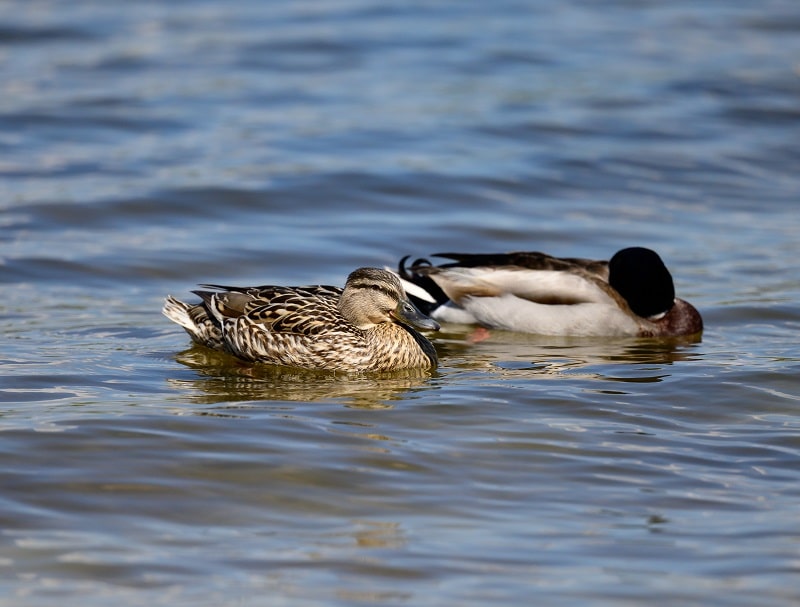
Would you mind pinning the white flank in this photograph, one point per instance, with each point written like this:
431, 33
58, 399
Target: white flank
512, 313
451, 313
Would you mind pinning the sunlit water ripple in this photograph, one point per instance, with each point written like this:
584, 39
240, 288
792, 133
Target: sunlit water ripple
150, 147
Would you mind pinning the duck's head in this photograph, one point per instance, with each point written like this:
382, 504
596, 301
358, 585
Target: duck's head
373, 296
639, 275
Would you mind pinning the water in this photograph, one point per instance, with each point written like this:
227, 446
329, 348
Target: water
148, 147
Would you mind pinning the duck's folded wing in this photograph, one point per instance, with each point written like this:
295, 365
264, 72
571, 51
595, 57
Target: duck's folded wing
553, 287
297, 311
292, 310
531, 260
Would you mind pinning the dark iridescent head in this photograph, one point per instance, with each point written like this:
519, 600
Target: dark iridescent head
639, 275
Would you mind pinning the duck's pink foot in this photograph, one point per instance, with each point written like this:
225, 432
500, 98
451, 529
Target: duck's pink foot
478, 335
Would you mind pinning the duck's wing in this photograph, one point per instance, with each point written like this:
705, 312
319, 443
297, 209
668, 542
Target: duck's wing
531, 260
310, 310
548, 287
532, 276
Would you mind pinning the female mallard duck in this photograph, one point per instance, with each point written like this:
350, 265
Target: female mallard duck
633, 294
367, 326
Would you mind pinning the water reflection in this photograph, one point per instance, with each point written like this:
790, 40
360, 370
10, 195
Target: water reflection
222, 378
516, 356
541, 357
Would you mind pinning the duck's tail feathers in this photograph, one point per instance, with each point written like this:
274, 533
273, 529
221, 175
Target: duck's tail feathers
419, 286
194, 318
178, 312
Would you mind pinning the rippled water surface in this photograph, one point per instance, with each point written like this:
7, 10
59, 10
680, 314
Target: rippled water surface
148, 147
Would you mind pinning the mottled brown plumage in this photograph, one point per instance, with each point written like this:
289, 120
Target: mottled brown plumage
367, 326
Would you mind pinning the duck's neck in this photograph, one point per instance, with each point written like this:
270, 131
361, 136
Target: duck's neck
400, 345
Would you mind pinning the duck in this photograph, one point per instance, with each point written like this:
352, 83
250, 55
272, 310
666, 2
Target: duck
632, 294
369, 325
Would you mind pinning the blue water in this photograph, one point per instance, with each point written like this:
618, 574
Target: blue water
148, 147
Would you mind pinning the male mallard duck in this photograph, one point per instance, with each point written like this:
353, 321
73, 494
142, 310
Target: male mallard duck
367, 326
633, 294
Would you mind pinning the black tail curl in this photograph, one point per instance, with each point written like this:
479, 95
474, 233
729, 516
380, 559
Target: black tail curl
418, 275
